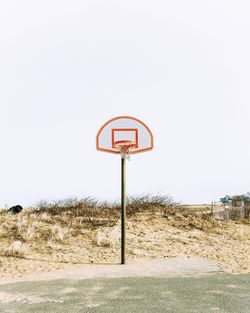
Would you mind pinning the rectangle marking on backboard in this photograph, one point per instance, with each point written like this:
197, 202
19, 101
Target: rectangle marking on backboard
124, 134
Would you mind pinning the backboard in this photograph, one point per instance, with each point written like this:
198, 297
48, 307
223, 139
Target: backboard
124, 129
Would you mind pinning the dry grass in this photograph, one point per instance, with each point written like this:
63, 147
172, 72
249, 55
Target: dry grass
146, 203
51, 226
86, 230
90, 210
16, 249
51, 223
59, 233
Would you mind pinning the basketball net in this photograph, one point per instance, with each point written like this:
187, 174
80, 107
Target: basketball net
125, 147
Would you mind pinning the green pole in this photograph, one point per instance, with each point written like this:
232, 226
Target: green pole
123, 211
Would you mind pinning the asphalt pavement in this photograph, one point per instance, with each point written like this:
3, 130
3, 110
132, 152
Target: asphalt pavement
158, 285
206, 293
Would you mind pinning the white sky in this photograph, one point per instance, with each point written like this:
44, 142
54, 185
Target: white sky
66, 67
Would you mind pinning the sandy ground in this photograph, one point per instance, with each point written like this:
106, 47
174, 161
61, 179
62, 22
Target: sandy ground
149, 236
156, 267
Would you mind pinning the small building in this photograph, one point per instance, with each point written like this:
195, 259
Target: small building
242, 202
239, 205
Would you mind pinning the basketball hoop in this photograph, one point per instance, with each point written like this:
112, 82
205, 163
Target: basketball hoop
124, 135
125, 147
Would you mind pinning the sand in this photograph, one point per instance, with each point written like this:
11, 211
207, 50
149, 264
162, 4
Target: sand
149, 236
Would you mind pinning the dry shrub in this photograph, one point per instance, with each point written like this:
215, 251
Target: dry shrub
94, 211
87, 208
152, 203
192, 220
16, 249
102, 240
58, 220
58, 232
24, 226
29, 233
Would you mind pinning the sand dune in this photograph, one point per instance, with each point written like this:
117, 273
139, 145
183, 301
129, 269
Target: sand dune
32, 243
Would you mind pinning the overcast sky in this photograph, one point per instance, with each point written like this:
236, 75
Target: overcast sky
66, 67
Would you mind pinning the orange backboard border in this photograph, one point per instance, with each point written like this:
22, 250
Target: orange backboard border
118, 152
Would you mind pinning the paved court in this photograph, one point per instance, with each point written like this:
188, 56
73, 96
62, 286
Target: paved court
209, 293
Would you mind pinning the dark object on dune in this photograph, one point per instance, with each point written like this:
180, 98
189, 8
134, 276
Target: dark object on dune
15, 209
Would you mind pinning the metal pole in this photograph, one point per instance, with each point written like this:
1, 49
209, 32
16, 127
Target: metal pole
212, 209
123, 211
